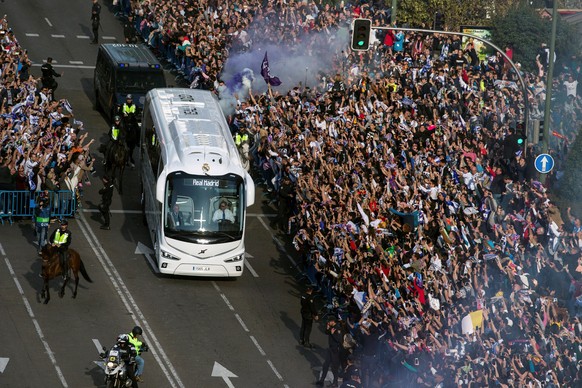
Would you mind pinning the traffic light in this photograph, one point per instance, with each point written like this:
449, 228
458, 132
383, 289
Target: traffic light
540, 138
361, 34
439, 21
521, 134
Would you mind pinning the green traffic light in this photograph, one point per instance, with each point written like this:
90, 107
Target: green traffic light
360, 42
519, 141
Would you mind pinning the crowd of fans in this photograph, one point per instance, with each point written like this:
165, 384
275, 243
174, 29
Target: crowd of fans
402, 182
42, 147
399, 178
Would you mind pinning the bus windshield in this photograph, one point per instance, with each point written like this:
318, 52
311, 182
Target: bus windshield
203, 209
139, 81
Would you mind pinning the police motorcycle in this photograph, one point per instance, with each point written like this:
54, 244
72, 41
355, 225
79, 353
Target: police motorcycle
119, 364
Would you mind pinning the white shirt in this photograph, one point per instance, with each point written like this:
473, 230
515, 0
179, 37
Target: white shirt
571, 87
223, 214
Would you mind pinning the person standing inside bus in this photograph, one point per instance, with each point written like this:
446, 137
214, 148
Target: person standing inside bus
223, 213
95, 20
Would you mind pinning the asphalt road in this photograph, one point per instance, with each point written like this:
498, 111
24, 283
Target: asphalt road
201, 332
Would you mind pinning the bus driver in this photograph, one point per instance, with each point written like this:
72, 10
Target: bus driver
223, 213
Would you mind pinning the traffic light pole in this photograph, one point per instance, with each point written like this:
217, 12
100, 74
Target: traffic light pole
549, 84
522, 82
393, 12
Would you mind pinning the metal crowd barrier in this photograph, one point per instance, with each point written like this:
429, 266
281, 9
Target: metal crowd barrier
21, 204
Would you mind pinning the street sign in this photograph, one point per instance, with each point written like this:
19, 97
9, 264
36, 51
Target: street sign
544, 163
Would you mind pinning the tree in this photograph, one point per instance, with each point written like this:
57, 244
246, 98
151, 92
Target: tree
523, 27
570, 187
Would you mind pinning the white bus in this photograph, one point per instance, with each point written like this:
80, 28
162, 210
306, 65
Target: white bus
189, 167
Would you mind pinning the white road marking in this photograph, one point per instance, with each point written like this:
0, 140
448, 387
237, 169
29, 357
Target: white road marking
109, 38
83, 37
246, 329
76, 62
57, 35
39, 332
280, 245
44, 60
251, 269
31, 35
258, 346
98, 345
131, 306
67, 66
275, 370
48, 22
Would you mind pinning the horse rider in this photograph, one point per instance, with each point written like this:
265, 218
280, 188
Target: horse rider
140, 347
128, 109
241, 137
129, 112
61, 239
114, 136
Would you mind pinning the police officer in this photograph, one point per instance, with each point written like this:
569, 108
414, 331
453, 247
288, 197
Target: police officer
129, 30
308, 315
114, 134
332, 358
61, 239
241, 137
353, 381
106, 194
127, 353
139, 348
42, 220
48, 76
95, 20
129, 110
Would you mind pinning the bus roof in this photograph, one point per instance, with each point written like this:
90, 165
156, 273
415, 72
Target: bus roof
193, 133
132, 55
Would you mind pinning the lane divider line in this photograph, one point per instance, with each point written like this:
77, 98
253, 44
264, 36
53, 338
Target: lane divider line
32, 35
131, 306
48, 22
39, 332
57, 36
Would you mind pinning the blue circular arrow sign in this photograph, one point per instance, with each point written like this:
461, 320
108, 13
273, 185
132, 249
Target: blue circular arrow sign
544, 163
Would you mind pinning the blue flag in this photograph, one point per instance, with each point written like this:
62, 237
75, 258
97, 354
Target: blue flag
266, 73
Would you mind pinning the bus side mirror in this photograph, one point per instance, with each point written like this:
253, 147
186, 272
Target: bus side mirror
160, 187
250, 185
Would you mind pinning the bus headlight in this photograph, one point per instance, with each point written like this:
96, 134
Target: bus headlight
235, 259
166, 255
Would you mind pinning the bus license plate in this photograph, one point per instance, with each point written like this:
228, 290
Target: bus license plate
201, 268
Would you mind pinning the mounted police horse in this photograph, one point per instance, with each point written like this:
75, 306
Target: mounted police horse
116, 159
51, 268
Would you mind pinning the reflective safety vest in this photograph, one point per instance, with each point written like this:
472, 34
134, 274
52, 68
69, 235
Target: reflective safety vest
60, 238
239, 139
154, 139
128, 109
114, 133
135, 342
43, 217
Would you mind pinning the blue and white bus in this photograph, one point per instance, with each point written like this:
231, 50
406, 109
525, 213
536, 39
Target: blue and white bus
189, 167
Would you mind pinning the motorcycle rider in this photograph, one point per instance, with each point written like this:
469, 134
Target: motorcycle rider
127, 353
140, 347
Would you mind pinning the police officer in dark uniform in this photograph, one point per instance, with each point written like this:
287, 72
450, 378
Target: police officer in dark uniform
129, 30
308, 315
48, 76
332, 358
353, 381
95, 21
106, 194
